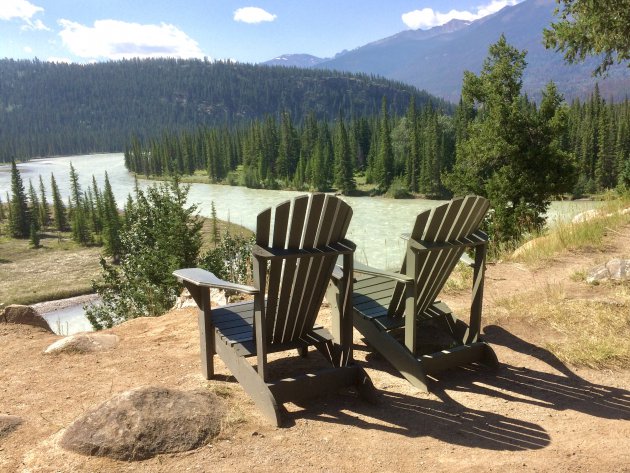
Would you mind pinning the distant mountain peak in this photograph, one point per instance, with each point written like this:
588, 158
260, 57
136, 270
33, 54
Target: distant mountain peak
294, 60
421, 35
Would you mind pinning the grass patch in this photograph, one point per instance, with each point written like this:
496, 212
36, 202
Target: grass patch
586, 332
568, 236
461, 279
58, 269
223, 227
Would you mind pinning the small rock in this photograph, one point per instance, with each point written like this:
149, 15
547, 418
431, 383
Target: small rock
616, 269
25, 315
83, 343
144, 422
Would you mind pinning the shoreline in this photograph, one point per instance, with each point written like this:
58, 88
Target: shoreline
52, 306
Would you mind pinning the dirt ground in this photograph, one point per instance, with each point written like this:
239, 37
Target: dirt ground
533, 414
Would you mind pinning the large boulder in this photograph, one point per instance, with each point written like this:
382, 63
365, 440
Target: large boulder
145, 422
83, 343
616, 269
8, 424
23, 314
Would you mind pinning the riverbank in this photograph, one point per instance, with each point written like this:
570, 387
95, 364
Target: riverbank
60, 304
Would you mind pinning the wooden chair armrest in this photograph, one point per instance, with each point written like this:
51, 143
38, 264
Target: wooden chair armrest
361, 268
202, 278
370, 271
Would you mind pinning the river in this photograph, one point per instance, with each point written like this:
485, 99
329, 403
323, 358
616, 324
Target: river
375, 228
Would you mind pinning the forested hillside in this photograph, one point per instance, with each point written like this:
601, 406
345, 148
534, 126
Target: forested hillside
57, 108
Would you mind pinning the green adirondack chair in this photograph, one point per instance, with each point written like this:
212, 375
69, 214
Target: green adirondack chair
294, 257
399, 314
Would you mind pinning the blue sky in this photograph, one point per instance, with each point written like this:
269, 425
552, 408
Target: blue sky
245, 31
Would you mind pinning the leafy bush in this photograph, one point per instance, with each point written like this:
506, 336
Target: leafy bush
160, 234
398, 189
231, 259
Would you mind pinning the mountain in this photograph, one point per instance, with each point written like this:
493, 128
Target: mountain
295, 60
435, 59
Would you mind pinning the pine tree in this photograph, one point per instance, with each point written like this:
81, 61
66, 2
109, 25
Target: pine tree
20, 219
384, 166
111, 222
509, 154
288, 148
215, 224
33, 207
80, 230
344, 172
34, 235
59, 209
44, 208
412, 167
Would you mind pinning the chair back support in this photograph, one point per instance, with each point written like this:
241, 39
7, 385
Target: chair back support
295, 285
448, 224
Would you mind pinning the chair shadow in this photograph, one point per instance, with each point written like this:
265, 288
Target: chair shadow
397, 413
447, 420
444, 419
563, 391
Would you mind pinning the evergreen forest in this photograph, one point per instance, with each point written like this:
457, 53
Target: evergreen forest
49, 108
410, 153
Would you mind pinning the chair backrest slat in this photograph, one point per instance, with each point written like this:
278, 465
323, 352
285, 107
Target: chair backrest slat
284, 326
280, 225
335, 218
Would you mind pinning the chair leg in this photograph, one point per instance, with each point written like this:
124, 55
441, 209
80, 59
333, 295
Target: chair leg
251, 382
303, 351
394, 352
206, 343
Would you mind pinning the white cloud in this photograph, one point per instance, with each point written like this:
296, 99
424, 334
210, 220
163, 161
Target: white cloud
253, 15
37, 25
24, 11
28, 49
428, 18
113, 39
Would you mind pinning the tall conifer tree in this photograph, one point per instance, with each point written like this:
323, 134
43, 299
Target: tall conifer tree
19, 221
59, 209
44, 208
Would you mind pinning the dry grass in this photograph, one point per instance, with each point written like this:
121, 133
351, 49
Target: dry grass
235, 230
587, 235
590, 332
58, 269
461, 279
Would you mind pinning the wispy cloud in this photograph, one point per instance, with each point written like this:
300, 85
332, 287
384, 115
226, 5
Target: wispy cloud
113, 39
253, 15
24, 11
428, 18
